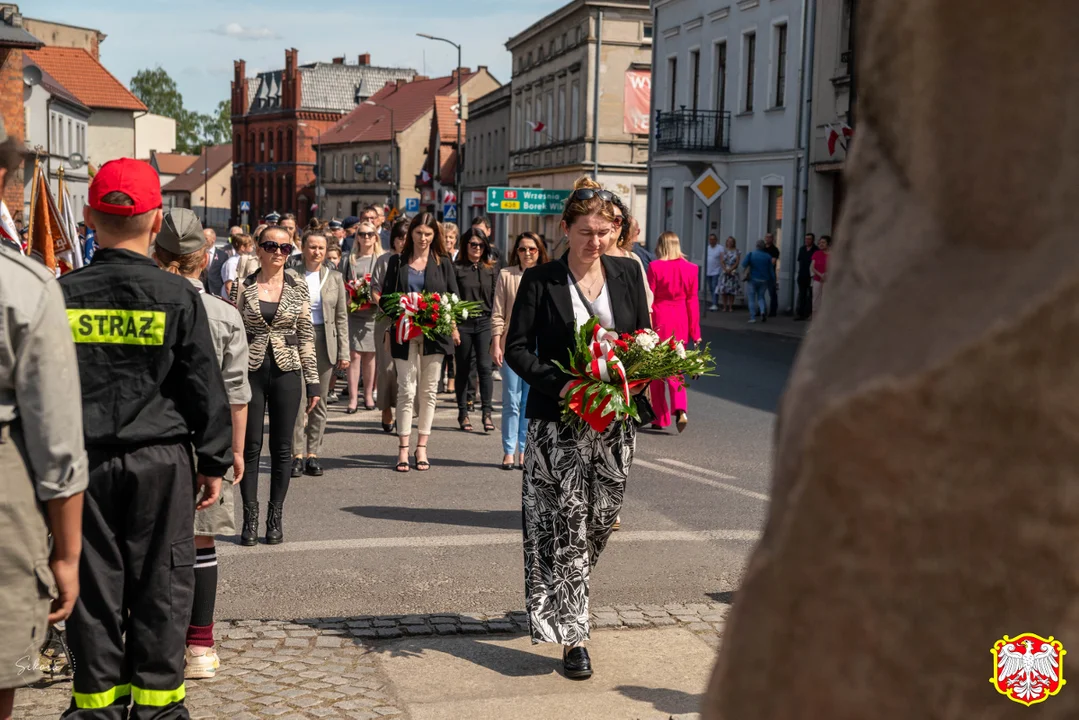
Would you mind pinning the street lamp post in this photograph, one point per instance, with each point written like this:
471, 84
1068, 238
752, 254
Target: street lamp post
395, 178
318, 170
460, 114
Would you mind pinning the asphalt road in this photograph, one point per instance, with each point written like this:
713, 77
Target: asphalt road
364, 540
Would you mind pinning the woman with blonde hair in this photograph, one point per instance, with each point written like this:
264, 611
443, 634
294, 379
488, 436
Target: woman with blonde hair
359, 266
574, 477
676, 313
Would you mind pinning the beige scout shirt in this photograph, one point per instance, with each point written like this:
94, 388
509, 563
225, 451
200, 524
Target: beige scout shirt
230, 342
39, 377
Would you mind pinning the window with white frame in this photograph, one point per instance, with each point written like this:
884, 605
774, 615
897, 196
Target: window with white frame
549, 117
779, 83
721, 76
672, 80
749, 68
695, 77
517, 114
575, 110
561, 122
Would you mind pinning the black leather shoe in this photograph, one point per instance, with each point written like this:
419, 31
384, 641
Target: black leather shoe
297, 467
274, 534
249, 535
576, 664
311, 467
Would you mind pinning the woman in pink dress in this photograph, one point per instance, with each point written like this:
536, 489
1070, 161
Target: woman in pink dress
676, 313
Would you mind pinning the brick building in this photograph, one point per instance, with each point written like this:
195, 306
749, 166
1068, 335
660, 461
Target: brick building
277, 118
364, 135
13, 41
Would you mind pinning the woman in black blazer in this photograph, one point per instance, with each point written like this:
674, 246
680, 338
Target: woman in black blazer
476, 276
422, 266
574, 478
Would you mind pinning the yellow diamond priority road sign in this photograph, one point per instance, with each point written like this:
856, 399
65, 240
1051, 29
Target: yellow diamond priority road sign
709, 187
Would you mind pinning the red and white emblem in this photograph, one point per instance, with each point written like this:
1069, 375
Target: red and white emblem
1028, 669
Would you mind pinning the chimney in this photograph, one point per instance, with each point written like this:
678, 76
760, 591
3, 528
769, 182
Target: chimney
239, 87
339, 60
365, 59
401, 82
419, 78
290, 80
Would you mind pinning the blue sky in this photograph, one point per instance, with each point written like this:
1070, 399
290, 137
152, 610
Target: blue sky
196, 41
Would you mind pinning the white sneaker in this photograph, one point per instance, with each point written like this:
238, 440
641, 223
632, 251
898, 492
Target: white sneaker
201, 663
752, 320
713, 308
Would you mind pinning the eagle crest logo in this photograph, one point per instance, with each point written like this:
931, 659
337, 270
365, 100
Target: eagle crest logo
1028, 669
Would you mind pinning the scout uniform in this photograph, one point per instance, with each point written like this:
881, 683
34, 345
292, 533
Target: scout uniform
41, 453
152, 390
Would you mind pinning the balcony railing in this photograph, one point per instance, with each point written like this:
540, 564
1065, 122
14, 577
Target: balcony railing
693, 131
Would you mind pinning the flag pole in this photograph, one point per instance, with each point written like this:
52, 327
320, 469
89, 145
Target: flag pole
33, 205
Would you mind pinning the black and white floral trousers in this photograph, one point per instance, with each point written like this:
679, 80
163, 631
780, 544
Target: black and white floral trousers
574, 480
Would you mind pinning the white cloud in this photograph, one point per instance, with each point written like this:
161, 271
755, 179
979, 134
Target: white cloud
239, 32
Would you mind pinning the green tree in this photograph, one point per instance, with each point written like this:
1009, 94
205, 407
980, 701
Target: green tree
159, 93
217, 128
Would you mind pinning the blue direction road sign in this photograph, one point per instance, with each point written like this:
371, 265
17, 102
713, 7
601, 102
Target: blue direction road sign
449, 213
245, 206
412, 205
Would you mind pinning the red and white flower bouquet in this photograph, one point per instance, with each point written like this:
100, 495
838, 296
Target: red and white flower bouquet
608, 368
432, 314
360, 294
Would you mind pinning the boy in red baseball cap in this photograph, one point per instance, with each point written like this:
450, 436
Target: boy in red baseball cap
151, 392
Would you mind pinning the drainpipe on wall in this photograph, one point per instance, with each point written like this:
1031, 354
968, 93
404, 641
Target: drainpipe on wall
651, 133
595, 96
801, 154
135, 133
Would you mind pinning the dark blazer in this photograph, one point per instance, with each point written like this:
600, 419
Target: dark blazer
213, 282
438, 277
542, 328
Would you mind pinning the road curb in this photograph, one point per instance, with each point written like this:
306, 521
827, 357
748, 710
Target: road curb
703, 618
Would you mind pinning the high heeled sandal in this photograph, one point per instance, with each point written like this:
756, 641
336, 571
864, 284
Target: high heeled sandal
422, 465
465, 423
488, 423
402, 465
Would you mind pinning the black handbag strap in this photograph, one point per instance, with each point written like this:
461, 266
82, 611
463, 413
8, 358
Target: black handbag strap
584, 301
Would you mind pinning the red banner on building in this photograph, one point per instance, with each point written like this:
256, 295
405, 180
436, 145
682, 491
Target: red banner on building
638, 101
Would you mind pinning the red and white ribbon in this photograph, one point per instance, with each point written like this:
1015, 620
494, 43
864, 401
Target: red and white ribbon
605, 364
405, 328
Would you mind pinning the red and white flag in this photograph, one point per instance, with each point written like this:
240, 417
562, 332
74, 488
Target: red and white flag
425, 177
838, 135
536, 125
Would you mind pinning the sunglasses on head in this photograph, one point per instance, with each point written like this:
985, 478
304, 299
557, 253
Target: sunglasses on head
589, 193
271, 247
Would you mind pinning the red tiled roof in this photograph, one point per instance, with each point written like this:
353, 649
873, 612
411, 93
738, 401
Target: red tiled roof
85, 78
446, 114
174, 163
214, 156
410, 101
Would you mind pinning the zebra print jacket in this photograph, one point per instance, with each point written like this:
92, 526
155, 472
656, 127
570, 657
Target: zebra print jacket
290, 337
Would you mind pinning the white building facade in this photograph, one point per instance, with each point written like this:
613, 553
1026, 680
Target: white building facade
726, 94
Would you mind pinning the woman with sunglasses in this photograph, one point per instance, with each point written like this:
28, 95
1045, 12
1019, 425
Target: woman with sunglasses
629, 231
574, 477
276, 311
356, 266
386, 380
476, 276
528, 252
422, 266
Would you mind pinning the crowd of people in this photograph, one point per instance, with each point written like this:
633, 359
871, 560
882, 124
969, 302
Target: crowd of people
167, 358
727, 274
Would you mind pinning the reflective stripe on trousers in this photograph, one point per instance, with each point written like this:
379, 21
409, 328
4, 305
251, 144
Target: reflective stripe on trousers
140, 696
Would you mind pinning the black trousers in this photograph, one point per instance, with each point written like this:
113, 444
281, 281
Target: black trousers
773, 300
137, 578
804, 307
281, 391
475, 347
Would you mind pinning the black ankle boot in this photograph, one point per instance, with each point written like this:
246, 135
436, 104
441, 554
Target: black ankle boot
250, 533
274, 536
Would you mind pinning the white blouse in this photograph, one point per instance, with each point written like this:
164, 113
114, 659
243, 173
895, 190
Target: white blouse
601, 304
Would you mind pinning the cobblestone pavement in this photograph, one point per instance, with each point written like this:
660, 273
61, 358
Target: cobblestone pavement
329, 667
